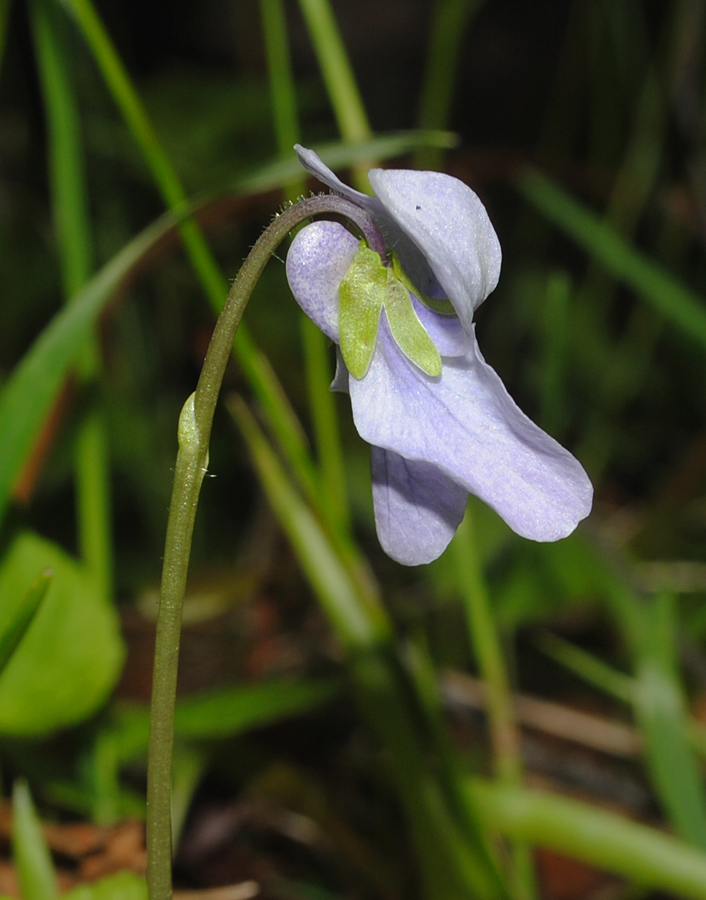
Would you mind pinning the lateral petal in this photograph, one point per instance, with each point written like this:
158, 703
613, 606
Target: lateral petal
318, 259
466, 424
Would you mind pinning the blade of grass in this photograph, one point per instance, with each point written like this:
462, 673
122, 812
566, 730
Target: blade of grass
356, 623
661, 712
336, 70
677, 303
282, 87
586, 666
603, 839
31, 389
73, 231
485, 642
316, 356
32, 858
450, 22
261, 376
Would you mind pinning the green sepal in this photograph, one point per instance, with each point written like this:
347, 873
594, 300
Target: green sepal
361, 298
408, 332
438, 305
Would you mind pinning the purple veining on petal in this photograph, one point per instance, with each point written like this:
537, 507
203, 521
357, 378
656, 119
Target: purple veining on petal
319, 257
417, 507
466, 424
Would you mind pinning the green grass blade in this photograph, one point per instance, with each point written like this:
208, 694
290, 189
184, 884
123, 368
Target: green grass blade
317, 357
588, 667
258, 372
336, 70
661, 713
282, 86
32, 858
643, 855
354, 618
29, 392
677, 303
450, 22
485, 642
66, 162
73, 233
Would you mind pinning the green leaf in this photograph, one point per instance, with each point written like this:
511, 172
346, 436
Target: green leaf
14, 622
32, 858
72, 653
120, 886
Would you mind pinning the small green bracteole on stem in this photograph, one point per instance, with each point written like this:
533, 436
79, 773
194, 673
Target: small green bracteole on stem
194, 435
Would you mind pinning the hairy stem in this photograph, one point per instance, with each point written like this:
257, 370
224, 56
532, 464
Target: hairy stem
192, 460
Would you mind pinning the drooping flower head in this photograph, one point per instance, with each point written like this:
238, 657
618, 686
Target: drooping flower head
438, 418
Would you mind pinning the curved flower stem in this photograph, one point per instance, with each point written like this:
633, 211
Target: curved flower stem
194, 434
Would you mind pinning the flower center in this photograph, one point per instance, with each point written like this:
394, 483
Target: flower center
368, 287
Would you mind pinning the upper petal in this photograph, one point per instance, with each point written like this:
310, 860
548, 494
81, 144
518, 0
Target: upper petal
319, 257
466, 424
450, 227
412, 259
417, 507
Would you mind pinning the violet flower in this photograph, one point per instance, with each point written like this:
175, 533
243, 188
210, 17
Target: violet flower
439, 421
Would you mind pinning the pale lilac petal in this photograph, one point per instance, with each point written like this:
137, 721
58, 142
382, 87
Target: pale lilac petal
450, 227
319, 257
447, 333
417, 507
465, 423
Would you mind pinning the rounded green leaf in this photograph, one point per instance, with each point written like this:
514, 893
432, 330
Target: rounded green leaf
71, 655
